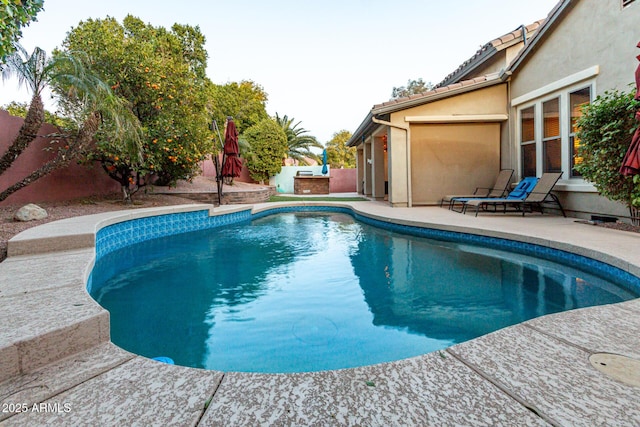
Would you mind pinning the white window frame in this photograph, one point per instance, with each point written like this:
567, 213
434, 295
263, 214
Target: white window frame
560, 89
536, 136
544, 139
569, 133
565, 130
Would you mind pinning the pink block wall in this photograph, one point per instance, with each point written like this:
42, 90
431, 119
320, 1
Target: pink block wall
343, 181
74, 181
209, 170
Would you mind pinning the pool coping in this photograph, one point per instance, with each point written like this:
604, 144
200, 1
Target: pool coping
27, 355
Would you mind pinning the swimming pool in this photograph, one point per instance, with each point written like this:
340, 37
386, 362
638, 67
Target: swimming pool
313, 291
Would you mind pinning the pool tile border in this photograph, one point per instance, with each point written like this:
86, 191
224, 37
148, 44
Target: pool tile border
305, 389
130, 232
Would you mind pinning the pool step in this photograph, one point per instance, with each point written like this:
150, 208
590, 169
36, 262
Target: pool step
43, 297
47, 312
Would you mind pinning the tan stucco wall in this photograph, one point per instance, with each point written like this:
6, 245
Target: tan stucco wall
492, 65
360, 169
453, 159
490, 68
593, 33
498, 62
397, 167
511, 52
485, 146
368, 168
490, 100
378, 172
584, 204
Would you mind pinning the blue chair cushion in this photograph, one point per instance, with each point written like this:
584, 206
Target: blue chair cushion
523, 188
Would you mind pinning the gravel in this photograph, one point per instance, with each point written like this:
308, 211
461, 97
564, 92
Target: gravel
621, 226
60, 210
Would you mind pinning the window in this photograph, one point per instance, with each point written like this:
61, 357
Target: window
551, 145
547, 131
577, 100
528, 141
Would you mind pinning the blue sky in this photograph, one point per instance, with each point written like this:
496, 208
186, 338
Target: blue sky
325, 63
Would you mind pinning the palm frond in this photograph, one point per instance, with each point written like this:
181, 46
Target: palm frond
26, 68
298, 142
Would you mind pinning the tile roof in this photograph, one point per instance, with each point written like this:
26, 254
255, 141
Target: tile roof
436, 93
479, 57
451, 86
488, 50
418, 99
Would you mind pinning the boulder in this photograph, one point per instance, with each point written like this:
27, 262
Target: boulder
30, 212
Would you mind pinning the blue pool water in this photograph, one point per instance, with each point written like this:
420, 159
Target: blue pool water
298, 292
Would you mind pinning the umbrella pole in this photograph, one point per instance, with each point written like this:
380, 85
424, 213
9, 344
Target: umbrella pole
217, 165
218, 183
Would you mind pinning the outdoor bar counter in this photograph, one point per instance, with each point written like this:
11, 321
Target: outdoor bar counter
310, 184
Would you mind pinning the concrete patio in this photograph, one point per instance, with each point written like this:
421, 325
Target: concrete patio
58, 367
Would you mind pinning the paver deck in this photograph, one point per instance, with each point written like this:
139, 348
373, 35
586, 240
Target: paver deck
535, 373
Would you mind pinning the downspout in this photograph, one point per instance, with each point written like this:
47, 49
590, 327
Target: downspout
513, 149
511, 137
505, 76
408, 151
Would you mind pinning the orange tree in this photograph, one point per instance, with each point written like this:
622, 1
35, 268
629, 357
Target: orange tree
13, 16
245, 101
161, 74
72, 85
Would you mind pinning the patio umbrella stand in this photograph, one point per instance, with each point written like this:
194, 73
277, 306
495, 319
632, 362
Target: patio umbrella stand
216, 162
231, 163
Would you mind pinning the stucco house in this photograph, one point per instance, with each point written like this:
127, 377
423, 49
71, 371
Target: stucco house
584, 48
510, 106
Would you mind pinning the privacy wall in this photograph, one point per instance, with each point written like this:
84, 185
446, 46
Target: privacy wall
74, 181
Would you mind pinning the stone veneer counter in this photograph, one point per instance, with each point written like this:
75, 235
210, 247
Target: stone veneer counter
57, 365
314, 184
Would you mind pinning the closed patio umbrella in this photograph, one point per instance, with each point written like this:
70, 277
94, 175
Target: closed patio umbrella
631, 162
325, 169
231, 165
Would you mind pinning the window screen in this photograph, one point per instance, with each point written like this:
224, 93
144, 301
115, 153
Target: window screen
551, 147
577, 100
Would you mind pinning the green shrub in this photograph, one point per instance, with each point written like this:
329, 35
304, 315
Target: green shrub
605, 131
268, 146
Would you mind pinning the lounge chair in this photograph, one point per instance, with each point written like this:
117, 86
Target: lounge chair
520, 192
499, 189
535, 199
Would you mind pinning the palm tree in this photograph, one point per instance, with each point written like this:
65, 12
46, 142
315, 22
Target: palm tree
32, 70
298, 143
90, 101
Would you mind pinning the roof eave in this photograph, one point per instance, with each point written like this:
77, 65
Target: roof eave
361, 131
469, 68
409, 103
367, 126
